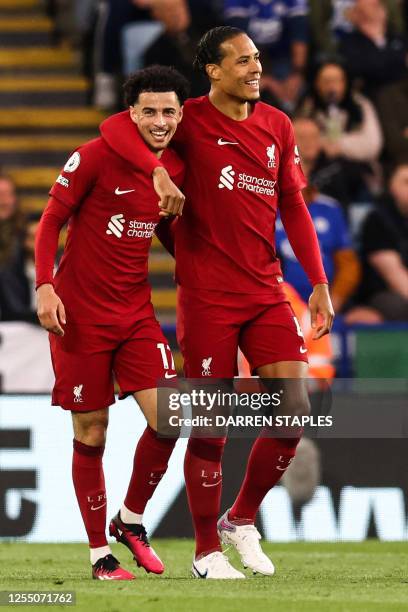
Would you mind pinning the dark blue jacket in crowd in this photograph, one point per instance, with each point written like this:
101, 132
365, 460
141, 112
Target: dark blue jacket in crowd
274, 23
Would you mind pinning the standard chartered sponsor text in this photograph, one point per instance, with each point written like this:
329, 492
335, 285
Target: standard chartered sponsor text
141, 229
256, 184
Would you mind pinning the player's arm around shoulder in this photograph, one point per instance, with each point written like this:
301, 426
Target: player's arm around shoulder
169, 177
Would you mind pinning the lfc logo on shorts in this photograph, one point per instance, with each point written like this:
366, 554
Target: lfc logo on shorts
78, 394
206, 363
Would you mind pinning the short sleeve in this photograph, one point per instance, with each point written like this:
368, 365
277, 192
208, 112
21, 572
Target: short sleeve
78, 176
291, 177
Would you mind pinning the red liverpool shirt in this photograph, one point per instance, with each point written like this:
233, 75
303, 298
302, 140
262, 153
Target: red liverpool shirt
236, 173
102, 277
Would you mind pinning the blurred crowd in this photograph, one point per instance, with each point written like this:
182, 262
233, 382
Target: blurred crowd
337, 67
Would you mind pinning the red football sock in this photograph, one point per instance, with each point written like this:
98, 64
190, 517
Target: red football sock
149, 465
89, 484
203, 475
268, 460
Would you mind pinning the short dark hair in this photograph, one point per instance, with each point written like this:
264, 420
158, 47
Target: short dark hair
157, 79
209, 47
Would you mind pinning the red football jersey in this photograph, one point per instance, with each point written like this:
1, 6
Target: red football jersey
102, 277
236, 172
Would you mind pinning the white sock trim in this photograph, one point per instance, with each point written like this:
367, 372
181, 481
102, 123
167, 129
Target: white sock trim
99, 553
128, 516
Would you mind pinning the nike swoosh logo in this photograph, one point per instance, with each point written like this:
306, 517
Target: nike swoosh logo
281, 469
206, 484
222, 142
201, 575
98, 507
153, 482
167, 375
119, 192
303, 349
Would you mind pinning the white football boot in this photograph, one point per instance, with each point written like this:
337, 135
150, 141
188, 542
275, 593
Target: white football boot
216, 566
245, 539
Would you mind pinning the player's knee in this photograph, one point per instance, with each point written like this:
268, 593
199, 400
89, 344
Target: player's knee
302, 407
93, 433
164, 430
298, 406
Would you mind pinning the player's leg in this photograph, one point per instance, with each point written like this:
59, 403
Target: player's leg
141, 361
88, 477
275, 338
274, 452
84, 385
209, 346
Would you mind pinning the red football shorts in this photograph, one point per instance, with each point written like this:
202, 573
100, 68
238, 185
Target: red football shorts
211, 325
87, 357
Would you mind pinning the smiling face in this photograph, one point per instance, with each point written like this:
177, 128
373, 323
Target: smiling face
157, 115
239, 72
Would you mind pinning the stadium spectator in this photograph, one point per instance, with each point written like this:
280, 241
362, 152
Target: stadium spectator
171, 16
85, 16
340, 261
134, 33
376, 56
331, 20
336, 177
393, 112
350, 127
62, 14
177, 47
17, 277
11, 219
339, 258
280, 31
114, 15
384, 289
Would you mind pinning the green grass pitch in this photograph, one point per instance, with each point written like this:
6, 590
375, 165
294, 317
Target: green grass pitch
309, 578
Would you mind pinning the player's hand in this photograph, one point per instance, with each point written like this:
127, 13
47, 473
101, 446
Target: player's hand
321, 311
50, 310
171, 199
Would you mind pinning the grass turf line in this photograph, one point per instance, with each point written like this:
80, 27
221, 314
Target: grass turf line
320, 577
